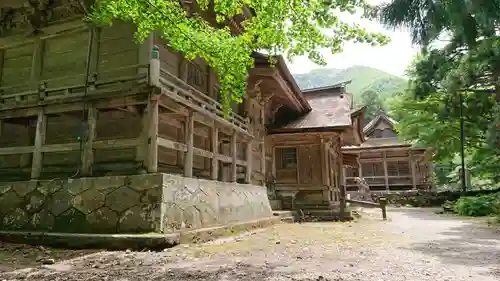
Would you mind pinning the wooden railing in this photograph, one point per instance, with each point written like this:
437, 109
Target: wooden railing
184, 93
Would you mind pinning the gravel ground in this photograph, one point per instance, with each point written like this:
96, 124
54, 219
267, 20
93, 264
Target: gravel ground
414, 244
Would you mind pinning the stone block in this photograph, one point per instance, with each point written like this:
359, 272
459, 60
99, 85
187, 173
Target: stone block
103, 220
138, 219
24, 187
75, 187
49, 187
14, 220
145, 182
9, 201
59, 202
122, 198
72, 221
35, 201
42, 220
4, 188
88, 201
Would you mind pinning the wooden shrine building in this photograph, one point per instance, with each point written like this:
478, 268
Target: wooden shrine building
386, 163
308, 159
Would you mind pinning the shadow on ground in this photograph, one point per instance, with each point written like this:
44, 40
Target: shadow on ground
461, 241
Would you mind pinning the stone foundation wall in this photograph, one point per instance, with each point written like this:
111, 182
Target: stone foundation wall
127, 204
194, 203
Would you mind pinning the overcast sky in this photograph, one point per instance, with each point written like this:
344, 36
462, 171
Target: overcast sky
393, 57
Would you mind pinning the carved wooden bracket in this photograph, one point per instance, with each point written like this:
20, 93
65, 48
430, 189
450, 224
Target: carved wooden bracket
38, 14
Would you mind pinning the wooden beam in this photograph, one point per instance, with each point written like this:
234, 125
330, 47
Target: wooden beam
234, 157
37, 64
88, 140
152, 125
323, 162
41, 129
172, 144
249, 156
386, 178
214, 168
188, 156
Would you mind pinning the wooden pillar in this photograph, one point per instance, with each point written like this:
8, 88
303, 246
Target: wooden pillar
154, 67
386, 177
2, 55
233, 156
324, 163
273, 168
249, 156
41, 128
88, 151
413, 171
151, 123
360, 168
215, 150
37, 63
188, 156
263, 143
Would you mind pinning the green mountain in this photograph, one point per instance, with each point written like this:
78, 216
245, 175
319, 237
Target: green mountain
362, 78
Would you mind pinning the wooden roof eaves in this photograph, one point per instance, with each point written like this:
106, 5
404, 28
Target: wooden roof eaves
382, 147
284, 72
309, 130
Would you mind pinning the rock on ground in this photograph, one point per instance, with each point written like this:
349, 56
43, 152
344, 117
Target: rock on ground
414, 244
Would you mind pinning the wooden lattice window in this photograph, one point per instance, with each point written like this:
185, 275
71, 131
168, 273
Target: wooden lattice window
372, 169
288, 158
197, 77
398, 168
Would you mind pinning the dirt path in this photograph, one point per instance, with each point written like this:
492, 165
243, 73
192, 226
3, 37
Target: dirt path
413, 245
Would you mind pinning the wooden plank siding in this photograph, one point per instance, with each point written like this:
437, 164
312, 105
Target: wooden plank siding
105, 128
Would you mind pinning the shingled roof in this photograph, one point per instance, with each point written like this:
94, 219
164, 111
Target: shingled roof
331, 108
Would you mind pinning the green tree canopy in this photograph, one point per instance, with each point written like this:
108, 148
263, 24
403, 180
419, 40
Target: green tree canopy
374, 105
277, 26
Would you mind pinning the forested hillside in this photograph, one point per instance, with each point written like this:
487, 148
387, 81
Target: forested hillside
363, 79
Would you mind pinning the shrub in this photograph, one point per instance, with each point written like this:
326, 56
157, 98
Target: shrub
478, 206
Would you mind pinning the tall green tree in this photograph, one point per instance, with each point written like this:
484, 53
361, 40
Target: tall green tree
373, 103
293, 27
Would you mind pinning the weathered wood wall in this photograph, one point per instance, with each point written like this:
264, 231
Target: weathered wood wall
50, 68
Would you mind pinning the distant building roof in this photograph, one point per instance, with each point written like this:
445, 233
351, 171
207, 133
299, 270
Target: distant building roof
340, 85
371, 125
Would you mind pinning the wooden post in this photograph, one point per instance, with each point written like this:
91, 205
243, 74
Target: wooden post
188, 156
154, 67
413, 171
263, 143
152, 121
386, 178
36, 67
215, 151
2, 55
249, 156
94, 55
233, 156
383, 206
88, 151
322, 161
41, 128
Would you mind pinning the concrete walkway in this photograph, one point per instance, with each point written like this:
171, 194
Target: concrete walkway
414, 244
